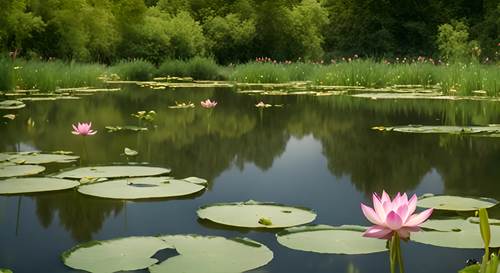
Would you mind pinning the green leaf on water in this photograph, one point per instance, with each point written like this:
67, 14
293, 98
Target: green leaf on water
19, 170
11, 104
131, 128
113, 172
35, 184
210, 254
130, 152
492, 130
4, 270
456, 203
456, 233
122, 254
471, 269
39, 158
141, 188
329, 239
253, 214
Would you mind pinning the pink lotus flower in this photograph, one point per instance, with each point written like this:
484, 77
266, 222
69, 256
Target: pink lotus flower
208, 104
83, 129
393, 216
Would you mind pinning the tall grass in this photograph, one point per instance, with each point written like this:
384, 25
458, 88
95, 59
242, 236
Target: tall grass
460, 79
199, 68
134, 70
48, 76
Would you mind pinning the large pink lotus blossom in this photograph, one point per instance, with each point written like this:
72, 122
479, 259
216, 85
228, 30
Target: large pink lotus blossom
83, 129
208, 104
393, 216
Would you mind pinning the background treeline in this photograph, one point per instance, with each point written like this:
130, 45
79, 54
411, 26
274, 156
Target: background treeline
240, 30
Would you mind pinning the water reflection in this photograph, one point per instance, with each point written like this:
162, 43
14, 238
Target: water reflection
236, 135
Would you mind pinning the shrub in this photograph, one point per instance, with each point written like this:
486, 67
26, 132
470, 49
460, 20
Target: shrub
134, 70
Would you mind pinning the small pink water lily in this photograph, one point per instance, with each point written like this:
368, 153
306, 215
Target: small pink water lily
83, 129
393, 216
208, 103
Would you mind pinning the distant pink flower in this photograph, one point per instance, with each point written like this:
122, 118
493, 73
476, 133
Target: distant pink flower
208, 104
393, 216
83, 129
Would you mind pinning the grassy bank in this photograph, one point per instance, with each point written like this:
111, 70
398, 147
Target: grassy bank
458, 79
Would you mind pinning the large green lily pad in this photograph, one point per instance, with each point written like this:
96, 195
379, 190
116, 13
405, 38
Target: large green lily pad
11, 104
113, 172
331, 240
4, 270
20, 170
38, 158
140, 188
131, 253
35, 184
424, 129
456, 233
213, 255
456, 203
253, 214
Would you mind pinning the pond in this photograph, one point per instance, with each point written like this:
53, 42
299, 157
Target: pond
314, 152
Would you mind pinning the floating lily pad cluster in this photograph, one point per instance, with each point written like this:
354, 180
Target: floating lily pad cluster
27, 163
132, 182
492, 130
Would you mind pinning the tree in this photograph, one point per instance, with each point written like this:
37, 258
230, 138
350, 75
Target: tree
453, 41
17, 25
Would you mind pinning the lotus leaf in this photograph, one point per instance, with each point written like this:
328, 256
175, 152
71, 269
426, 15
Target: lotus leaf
130, 152
35, 184
250, 214
213, 255
423, 129
457, 203
140, 188
20, 170
331, 240
130, 253
11, 104
113, 172
132, 128
456, 233
39, 158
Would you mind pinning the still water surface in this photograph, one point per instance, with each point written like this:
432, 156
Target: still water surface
317, 152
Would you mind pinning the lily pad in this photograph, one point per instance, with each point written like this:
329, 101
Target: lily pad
11, 104
253, 214
132, 128
20, 170
113, 172
35, 184
9, 116
130, 152
456, 203
331, 240
141, 188
456, 233
39, 158
4, 270
423, 129
213, 255
123, 254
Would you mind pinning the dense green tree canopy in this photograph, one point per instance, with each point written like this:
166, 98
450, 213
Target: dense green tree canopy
241, 30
